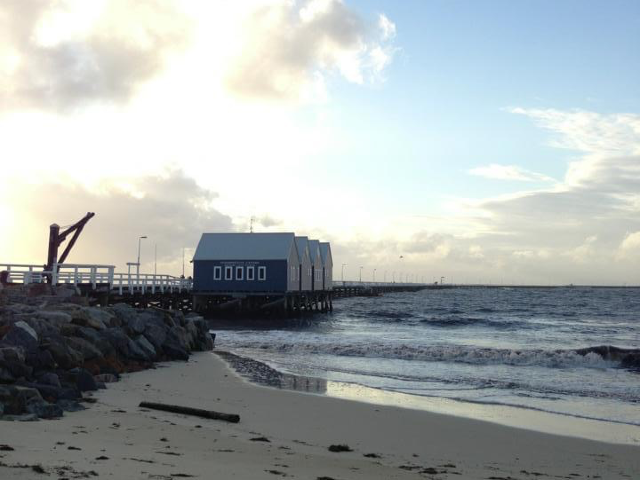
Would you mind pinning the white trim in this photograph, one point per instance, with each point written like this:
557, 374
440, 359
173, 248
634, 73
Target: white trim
251, 270
217, 272
228, 272
239, 270
262, 273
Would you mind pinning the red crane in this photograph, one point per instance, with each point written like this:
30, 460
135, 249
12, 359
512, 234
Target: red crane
56, 238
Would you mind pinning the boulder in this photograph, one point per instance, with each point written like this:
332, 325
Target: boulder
97, 339
156, 335
12, 353
44, 409
56, 318
41, 360
136, 325
85, 381
70, 405
6, 376
146, 347
21, 335
87, 349
17, 369
106, 378
65, 356
124, 312
15, 398
175, 352
50, 378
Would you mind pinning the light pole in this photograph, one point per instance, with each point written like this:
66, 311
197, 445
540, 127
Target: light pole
385, 276
342, 273
374, 275
155, 259
361, 274
139, 244
394, 277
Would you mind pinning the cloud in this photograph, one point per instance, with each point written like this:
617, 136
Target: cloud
629, 247
171, 210
290, 48
58, 55
509, 172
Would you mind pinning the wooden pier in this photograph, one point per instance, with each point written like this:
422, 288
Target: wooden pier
104, 286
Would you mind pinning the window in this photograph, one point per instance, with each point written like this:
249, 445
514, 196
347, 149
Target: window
239, 273
217, 273
250, 273
262, 273
228, 273
293, 274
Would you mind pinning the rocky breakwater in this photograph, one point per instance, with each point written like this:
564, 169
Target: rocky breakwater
54, 349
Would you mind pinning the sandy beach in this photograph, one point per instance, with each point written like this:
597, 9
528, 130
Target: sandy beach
284, 434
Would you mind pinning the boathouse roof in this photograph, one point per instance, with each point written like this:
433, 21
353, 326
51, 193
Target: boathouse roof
314, 245
244, 246
325, 248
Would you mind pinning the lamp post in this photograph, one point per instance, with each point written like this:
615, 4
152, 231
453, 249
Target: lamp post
394, 277
361, 274
374, 275
139, 244
342, 272
385, 276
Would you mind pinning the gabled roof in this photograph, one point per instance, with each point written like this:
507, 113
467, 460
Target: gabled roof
302, 243
325, 250
314, 246
244, 246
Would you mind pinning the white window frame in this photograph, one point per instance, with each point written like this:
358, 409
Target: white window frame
262, 273
239, 270
228, 272
251, 270
217, 272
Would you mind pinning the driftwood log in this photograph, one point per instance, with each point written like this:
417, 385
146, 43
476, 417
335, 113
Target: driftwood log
196, 412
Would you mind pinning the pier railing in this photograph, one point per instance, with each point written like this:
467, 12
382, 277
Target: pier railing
95, 275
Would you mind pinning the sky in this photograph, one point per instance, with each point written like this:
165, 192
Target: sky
484, 142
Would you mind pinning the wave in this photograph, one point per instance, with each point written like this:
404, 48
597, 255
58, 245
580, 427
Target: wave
603, 356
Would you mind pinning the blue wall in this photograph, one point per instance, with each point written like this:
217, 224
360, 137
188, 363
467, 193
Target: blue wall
276, 276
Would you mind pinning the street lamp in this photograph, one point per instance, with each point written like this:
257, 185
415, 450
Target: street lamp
361, 274
138, 264
374, 275
342, 273
385, 276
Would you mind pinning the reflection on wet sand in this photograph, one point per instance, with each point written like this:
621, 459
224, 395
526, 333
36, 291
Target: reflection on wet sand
262, 374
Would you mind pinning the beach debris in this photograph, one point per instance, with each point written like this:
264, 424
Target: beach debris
372, 455
6, 448
197, 412
325, 478
70, 447
340, 448
260, 439
276, 472
102, 457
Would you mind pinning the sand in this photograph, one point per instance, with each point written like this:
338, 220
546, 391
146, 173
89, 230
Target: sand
116, 439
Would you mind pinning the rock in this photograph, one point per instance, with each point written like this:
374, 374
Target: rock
136, 325
12, 353
18, 369
100, 316
50, 378
70, 405
27, 417
6, 376
21, 335
44, 409
179, 336
87, 349
41, 360
146, 347
118, 340
56, 318
106, 378
15, 398
65, 356
96, 339
136, 352
1, 409
175, 352
156, 335
85, 381
124, 312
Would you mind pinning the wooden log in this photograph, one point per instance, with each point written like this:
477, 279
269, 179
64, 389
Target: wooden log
196, 412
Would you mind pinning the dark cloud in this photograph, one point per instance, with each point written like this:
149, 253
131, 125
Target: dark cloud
125, 47
172, 211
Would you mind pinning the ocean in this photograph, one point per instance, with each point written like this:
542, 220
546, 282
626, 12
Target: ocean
570, 352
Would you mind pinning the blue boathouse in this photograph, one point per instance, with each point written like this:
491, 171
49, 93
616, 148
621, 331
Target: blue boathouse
246, 263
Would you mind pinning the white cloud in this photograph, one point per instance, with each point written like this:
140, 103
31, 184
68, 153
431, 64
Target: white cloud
387, 26
509, 172
629, 247
290, 47
57, 55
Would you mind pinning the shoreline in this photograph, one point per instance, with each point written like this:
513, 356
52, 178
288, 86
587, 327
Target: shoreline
115, 437
258, 373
